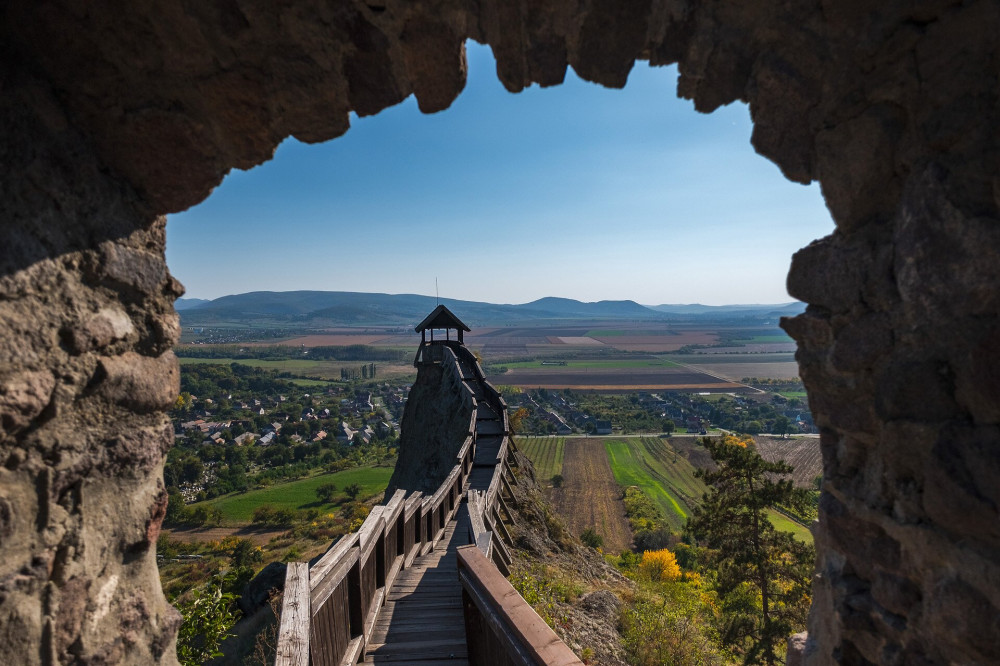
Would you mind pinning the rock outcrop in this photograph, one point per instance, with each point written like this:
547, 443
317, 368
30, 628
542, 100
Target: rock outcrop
436, 422
114, 114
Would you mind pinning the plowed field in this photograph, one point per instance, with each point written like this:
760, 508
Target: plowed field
617, 379
802, 453
590, 497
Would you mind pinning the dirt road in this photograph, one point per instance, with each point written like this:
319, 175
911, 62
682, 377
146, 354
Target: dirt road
260, 536
589, 496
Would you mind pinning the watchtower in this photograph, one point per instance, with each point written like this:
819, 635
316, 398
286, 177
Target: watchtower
441, 318
430, 351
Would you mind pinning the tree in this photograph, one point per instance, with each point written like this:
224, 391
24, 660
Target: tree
660, 565
353, 490
781, 425
763, 574
516, 419
557, 480
326, 492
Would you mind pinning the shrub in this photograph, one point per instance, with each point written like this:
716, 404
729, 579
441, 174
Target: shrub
659, 565
591, 538
655, 539
208, 616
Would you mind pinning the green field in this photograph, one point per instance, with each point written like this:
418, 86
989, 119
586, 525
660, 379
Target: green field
310, 383
301, 494
765, 338
545, 453
325, 369
664, 475
667, 478
783, 523
614, 333
289, 365
595, 364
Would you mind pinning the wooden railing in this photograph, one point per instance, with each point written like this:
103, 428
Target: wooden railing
500, 627
329, 610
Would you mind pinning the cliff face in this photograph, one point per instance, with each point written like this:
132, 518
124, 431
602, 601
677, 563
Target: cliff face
116, 113
434, 427
86, 372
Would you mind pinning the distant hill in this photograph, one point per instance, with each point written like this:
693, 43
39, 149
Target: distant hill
308, 309
783, 309
188, 303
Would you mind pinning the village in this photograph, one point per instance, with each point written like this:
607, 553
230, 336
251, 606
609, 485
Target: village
238, 428
570, 412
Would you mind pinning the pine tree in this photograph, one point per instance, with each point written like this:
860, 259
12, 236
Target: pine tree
764, 575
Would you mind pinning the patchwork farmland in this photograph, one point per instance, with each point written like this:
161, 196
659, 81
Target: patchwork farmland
595, 469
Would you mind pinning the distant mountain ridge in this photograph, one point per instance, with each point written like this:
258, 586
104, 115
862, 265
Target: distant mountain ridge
785, 309
329, 308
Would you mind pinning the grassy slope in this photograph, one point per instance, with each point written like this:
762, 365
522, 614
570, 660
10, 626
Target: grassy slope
301, 494
665, 476
545, 453
785, 524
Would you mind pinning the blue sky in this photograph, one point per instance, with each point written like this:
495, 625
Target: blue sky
575, 191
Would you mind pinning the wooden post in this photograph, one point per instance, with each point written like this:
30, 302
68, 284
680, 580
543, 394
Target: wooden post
293, 636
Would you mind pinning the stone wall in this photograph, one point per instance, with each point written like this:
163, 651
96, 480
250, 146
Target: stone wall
116, 113
86, 371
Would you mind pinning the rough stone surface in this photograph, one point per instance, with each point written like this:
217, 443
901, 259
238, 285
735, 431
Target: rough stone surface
434, 426
113, 114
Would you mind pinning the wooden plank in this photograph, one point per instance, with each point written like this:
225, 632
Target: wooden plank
330, 558
293, 631
332, 579
412, 504
511, 518
354, 650
394, 506
373, 611
369, 533
498, 526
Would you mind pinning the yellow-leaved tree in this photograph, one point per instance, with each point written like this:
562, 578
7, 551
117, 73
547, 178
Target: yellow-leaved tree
659, 565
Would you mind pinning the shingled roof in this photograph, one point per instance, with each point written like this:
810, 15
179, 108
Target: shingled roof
441, 317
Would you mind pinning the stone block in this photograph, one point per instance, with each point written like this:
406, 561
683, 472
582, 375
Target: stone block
142, 383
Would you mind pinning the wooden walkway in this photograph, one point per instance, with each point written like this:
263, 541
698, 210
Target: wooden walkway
421, 622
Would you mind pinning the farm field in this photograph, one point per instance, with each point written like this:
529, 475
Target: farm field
337, 340
594, 364
751, 348
649, 378
546, 454
786, 524
238, 507
660, 471
802, 453
663, 469
316, 368
590, 495
737, 366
